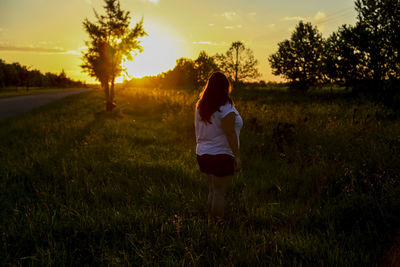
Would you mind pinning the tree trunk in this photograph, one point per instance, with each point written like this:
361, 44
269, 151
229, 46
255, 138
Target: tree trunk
106, 88
112, 93
110, 105
237, 65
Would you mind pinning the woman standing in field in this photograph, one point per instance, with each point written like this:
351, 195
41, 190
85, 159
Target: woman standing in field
218, 125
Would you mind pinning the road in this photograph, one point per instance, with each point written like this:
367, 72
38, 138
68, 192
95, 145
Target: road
12, 106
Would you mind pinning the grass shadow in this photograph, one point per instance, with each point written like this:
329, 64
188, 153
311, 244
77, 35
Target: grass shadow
115, 114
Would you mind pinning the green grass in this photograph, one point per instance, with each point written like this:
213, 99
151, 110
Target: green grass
20, 91
79, 186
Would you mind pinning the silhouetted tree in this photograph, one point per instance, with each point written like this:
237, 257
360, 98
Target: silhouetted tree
344, 63
183, 75
204, 66
13, 74
25, 77
16, 75
238, 63
111, 42
37, 78
187, 74
2, 74
364, 55
62, 79
300, 59
377, 34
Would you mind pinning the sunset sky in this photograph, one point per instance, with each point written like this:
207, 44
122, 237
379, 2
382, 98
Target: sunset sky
48, 34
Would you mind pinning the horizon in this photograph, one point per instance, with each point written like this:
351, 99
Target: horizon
51, 41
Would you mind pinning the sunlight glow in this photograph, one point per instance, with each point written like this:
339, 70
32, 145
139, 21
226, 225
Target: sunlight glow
160, 52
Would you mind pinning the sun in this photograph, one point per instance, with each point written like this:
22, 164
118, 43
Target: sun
160, 52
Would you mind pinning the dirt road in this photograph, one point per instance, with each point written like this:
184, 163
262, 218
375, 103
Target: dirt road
12, 106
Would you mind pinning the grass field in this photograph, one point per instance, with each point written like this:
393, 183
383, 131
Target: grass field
20, 91
319, 185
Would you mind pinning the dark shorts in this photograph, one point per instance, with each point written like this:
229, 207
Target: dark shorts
218, 165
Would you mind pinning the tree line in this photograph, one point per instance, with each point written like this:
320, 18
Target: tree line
17, 75
238, 63
364, 56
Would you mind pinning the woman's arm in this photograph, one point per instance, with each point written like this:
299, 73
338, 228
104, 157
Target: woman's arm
228, 126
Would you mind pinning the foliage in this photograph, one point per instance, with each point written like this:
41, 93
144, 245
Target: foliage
183, 75
365, 55
300, 59
238, 63
187, 74
204, 66
378, 35
319, 185
111, 42
16, 75
344, 63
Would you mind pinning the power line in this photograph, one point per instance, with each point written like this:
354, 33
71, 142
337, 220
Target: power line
337, 16
338, 12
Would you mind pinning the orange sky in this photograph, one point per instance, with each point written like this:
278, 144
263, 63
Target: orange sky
48, 34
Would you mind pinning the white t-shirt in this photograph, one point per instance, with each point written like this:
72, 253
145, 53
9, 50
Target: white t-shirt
211, 139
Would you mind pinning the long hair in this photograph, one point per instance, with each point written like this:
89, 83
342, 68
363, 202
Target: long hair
214, 95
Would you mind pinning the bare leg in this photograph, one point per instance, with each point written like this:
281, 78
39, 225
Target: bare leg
220, 186
210, 193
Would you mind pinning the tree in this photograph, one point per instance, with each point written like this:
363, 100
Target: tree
12, 75
2, 74
377, 34
15, 74
300, 58
204, 66
182, 75
238, 63
111, 42
366, 54
344, 63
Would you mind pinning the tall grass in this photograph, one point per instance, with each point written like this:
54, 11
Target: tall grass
319, 184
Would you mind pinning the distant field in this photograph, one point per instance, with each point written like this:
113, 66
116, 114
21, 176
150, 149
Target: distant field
319, 185
19, 91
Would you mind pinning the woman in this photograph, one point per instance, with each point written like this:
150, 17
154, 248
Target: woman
218, 125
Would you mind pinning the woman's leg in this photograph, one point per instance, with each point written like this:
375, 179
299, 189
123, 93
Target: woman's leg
220, 186
210, 193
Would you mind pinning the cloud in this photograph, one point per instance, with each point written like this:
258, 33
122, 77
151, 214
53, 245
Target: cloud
211, 24
88, 2
319, 19
151, 1
229, 15
54, 50
210, 43
271, 26
73, 52
231, 27
252, 14
203, 43
294, 18
320, 16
